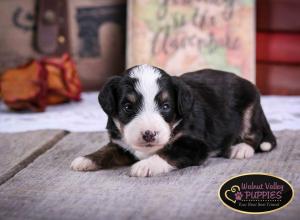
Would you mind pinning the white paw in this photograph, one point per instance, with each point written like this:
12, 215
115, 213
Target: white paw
241, 151
151, 166
83, 164
265, 146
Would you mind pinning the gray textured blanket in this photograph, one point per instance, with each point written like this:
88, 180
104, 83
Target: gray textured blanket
48, 189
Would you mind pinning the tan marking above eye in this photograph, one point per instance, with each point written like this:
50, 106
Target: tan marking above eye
131, 98
164, 96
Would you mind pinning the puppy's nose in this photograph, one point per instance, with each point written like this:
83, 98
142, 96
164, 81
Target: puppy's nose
149, 136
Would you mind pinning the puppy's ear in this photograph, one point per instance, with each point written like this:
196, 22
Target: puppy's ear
185, 98
108, 96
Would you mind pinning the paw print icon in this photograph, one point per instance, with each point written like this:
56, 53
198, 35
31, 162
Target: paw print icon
238, 196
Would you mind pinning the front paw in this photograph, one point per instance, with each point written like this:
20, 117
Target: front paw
83, 164
151, 166
241, 151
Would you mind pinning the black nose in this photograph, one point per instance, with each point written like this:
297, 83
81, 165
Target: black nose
149, 136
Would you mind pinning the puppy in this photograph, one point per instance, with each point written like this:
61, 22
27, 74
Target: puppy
160, 123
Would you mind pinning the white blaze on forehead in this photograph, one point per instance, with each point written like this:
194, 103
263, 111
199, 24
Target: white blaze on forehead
147, 84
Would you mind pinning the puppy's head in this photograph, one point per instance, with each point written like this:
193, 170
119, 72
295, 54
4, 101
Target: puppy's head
146, 104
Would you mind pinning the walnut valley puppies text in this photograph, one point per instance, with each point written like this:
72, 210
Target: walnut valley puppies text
256, 193
261, 191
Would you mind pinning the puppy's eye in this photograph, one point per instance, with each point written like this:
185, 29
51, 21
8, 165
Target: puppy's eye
165, 106
127, 107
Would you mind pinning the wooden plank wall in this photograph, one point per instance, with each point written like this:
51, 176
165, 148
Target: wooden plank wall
278, 47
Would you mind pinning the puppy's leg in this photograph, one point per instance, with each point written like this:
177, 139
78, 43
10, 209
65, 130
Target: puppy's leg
248, 140
183, 152
107, 157
255, 136
259, 134
268, 141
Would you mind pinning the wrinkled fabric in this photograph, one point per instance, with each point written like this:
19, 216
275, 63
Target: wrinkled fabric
41, 83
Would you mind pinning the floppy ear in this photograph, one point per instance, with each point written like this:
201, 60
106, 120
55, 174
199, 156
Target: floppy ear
185, 98
108, 98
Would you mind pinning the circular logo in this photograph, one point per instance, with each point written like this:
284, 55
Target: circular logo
256, 193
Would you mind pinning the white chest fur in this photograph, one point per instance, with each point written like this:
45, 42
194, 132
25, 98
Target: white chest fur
138, 154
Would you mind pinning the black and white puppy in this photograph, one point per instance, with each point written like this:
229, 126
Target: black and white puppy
160, 123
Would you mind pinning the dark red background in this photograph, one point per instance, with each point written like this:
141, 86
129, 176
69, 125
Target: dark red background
278, 47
